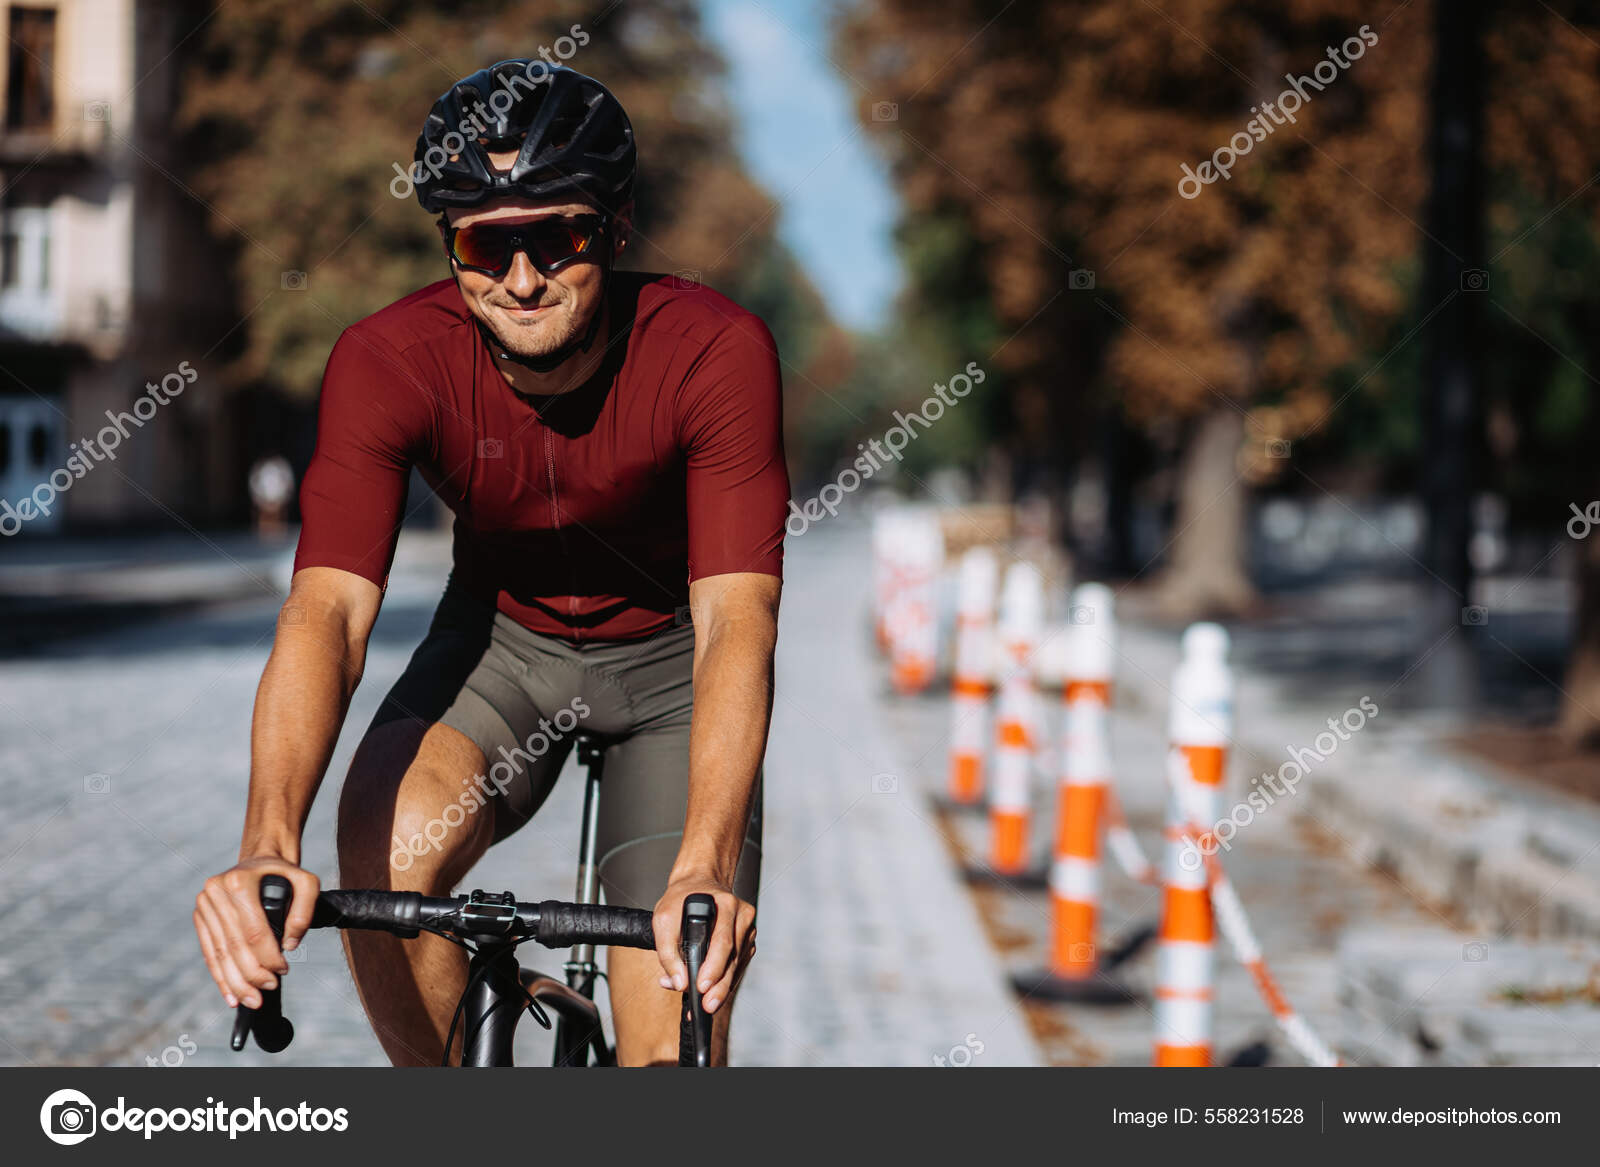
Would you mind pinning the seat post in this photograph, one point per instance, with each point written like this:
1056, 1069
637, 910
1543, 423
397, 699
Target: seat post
592, 757
571, 1048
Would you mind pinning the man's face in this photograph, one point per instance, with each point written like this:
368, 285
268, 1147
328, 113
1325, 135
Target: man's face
530, 312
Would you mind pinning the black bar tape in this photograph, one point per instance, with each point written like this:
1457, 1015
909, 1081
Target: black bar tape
563, 924
381, 911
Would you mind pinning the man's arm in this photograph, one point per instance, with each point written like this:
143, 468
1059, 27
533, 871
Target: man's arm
317, 657
736, 630
372, 416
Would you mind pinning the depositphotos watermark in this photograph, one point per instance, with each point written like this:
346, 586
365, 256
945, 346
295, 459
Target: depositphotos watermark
1273, 786
404, 183
878, 453
1584, 521
1290, 101
87, 453
70, 1116
961, 1056
485, 786
174, 1056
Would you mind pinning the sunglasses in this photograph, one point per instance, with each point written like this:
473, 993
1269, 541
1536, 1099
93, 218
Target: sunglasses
549, 244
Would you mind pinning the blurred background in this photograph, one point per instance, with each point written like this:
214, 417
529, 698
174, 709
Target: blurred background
1335, 392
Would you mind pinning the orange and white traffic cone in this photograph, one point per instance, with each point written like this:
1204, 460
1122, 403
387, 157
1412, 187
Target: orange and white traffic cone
892, 531
1201, 728
913, 615
1017, 728
1076, 970
973, 672
883, 575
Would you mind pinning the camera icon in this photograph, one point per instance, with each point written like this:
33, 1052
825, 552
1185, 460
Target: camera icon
1474, 279
292, 614
1080, 279
97, 784
885, 784
1474, 615
97, 111
72, 1118
961, 1056
67, 1117
683, 616
1279, 447
1475, 953
885, 111
294, 281
297, 954
1081, 614
686, 279
491, 448
1081, 953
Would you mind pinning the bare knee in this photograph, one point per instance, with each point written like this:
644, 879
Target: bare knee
407, 819
646, 1017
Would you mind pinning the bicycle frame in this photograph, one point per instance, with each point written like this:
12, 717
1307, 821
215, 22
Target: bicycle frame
491, 1011
491, 926
495, 997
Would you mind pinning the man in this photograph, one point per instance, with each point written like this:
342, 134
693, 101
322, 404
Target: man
610, 445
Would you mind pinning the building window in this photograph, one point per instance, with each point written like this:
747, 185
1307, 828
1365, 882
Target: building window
5, 447
30, 69
25, 250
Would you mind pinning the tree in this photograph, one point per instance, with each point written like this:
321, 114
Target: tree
1224, 315
1454, 280
299, 114
1543, 126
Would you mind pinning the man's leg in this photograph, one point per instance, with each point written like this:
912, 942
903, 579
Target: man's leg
643, 799
404, 776
646, 1016
421, 774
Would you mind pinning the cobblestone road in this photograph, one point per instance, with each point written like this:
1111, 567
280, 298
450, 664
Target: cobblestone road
123, 766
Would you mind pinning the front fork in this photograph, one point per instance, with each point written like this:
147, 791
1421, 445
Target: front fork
494, 1005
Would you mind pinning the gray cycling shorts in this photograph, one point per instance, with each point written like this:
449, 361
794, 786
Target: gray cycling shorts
522, 698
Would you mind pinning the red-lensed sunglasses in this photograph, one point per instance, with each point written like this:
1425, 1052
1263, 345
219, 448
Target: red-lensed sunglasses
549, 244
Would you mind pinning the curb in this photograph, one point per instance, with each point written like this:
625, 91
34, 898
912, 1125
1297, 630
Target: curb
1497, 853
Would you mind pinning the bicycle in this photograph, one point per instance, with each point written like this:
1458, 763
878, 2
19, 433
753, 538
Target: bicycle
490, 926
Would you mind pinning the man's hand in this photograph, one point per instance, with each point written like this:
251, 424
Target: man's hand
235, 937
732, 945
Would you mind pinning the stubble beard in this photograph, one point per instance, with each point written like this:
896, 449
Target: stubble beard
537, 337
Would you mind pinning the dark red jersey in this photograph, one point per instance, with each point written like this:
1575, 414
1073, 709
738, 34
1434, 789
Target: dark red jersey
583, 515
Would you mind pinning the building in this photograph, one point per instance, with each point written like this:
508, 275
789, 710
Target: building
109, 281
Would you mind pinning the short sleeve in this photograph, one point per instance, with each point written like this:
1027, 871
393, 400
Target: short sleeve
731, 427
372, 418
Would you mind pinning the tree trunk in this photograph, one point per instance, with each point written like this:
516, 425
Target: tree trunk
1205, 575
1580, 701
1452, 419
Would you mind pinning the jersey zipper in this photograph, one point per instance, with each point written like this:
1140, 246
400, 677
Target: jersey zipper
555, 518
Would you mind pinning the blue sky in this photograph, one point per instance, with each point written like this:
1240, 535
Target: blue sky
798, 135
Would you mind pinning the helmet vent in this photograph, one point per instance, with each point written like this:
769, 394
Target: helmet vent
561, 132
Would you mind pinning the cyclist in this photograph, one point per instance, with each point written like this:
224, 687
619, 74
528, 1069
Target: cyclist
610, 444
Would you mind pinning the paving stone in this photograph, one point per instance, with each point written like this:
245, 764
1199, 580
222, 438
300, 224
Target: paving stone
1300, 891
871, 952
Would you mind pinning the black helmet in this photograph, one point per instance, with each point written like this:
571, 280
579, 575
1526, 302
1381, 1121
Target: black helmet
570, 133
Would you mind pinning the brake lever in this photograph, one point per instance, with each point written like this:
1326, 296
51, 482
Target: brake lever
273, 1031
699, 920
